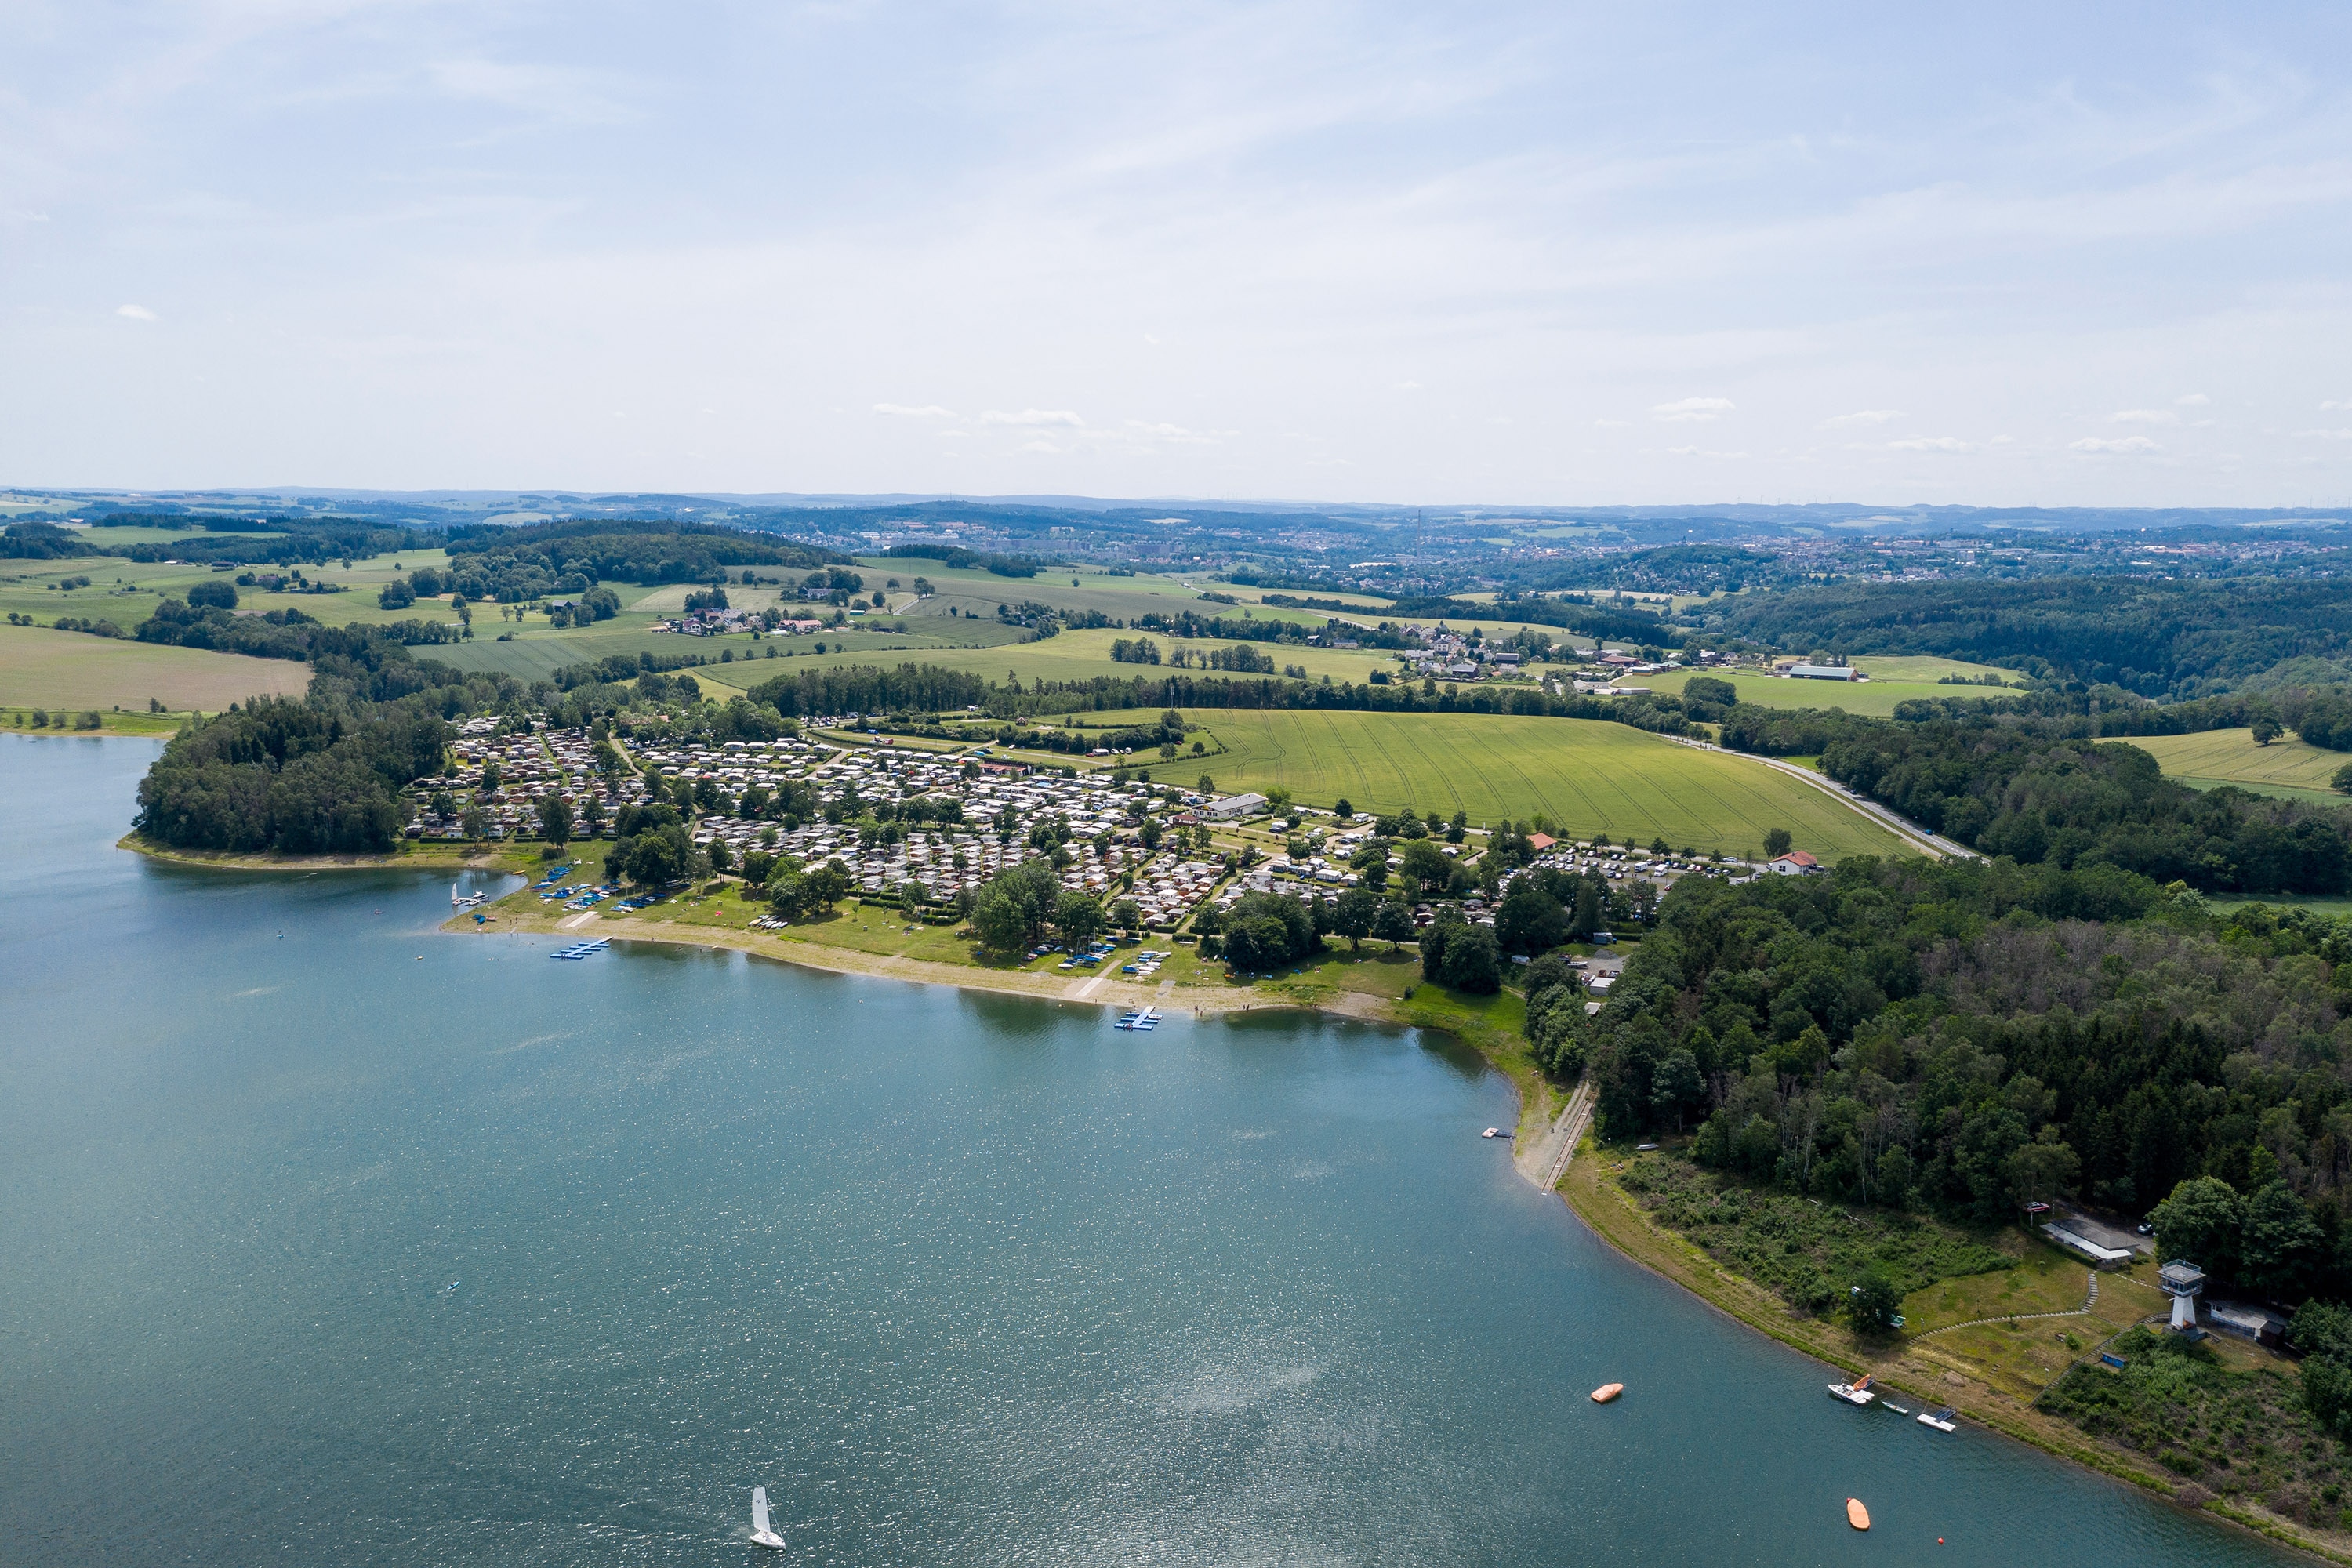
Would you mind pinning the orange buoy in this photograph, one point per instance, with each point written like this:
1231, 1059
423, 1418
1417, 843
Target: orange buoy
1856, 1514
1607, 1392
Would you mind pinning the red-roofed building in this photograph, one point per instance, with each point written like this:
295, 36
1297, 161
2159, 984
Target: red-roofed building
1796, 863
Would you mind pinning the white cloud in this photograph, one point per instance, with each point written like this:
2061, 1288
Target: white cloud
1930, 444
1700, 452
1691, 410
1862, 417
1612, 423
1032, 418
135, 312
1173, 432
1041, 445
2122, 446
2146, 416
2336, 405
2327, 434
2192, 400
907, 411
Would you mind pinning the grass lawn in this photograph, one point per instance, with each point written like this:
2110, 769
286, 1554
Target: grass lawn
1587, 776
2286, 767
45, 668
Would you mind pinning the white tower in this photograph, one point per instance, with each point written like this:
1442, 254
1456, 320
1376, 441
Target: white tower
2182, 1282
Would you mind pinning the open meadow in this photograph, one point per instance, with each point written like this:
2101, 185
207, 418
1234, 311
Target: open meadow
45, 668
1891, 681
1073, 656
1586, 775
2287, 767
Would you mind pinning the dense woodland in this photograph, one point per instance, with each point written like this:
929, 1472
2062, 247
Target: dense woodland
2158, 637
1965, 1037
515, 565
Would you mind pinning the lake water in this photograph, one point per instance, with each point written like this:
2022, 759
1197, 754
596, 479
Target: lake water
328, 1239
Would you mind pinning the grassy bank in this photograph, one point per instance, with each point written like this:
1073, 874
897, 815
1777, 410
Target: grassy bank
1995, 1372
407, 856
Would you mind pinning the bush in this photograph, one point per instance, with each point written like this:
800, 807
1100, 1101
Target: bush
219, 594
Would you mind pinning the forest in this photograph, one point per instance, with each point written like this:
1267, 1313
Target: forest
2161, 639
2045, 790
1963, 1039
514, 564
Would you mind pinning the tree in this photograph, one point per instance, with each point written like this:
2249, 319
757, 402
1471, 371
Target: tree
2341, 782
554, 819
822, 887
2266, 730
1127, 914
1530, 921
1207, 785
217, 593
1426, 863
475, 823
1277, 800
1372, 862
1353, 914
1777, 843
1588, 916
1343, 809
1015, 907
1677, 1086
1392, 923
592, 813
1256, 942
1077, 918
2279, 1245
1473, 962
1874, 1303
2200, 1224
2041, 1171
1152, 833
660, 854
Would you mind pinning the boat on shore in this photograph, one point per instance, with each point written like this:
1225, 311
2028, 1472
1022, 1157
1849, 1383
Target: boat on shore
1941, 1420
1857, 1392
1607, 1393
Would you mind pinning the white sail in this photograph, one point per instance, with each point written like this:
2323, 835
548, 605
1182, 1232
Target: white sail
758, 1510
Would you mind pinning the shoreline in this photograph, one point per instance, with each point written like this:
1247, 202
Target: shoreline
1542, 1112
437, 857
1534, 1100
1616, 1219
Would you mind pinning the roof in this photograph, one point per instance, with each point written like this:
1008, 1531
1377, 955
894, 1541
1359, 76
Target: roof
1541, 840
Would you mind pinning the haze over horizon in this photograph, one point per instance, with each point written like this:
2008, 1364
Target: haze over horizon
1515, 254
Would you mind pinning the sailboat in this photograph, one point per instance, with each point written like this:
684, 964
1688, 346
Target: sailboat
760, 1534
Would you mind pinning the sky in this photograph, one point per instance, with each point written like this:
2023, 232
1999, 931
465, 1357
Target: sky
1552, 254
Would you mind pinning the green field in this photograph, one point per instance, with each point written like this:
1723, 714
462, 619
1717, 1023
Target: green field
1891, 680
1073, 656
1587, 777
2287, 768
43, 668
